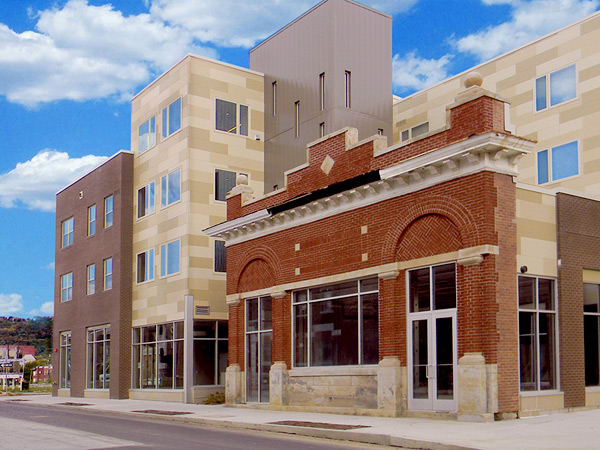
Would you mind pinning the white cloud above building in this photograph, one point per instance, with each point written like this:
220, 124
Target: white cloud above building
10, 304
33, 184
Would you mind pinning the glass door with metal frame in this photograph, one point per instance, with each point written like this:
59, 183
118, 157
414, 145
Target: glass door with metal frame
432, 355
259, 339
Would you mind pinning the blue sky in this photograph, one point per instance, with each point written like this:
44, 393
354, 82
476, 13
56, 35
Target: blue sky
68, 70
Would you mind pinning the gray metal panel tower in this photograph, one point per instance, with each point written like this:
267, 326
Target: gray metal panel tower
329, 68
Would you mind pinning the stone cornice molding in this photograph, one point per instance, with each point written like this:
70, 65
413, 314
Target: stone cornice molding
495, 152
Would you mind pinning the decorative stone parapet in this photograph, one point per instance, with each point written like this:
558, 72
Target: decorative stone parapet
278, 382
389, 386
233, 385
473, 389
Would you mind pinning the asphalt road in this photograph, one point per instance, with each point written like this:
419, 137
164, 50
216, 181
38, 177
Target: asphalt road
24, 426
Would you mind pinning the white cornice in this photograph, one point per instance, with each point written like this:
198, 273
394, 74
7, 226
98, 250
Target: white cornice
495, 152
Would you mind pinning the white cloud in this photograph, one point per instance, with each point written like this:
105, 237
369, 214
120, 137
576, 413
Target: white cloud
530, 19
245, 23
410, 72
45, 309
83, 52
34, 183
10, 304
49, 266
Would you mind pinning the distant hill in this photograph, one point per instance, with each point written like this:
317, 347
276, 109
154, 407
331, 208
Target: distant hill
36, 332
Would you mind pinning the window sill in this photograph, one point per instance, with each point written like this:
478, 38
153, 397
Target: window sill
592, 389
540, 393
333, 371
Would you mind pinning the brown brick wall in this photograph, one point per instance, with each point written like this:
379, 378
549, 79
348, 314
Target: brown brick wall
578, 230
103, 307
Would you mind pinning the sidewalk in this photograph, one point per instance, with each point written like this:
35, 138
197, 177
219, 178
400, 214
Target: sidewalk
561, 431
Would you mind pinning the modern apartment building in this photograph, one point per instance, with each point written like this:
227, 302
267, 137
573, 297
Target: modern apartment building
92, 294
194, 130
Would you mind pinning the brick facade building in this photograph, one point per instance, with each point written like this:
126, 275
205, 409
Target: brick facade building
414, 245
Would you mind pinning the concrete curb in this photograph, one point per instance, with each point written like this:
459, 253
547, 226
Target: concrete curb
338, 435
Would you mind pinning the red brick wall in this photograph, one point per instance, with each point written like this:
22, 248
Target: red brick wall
578, 249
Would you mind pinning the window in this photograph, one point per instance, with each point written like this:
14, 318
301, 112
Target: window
171, 119
415, 131
210, 352
67, 232
108, 212
108, 271
146, 200
224, 182
66, 287
158, 356
348, 89
337, 324
65, 360
145, 266
169, 258
322, 91
170, 187
322, 129
91, 279
147, 135
560, 86
98, 358
558, 163
227, 113
537, 333
297, 118
591, 333
220, 256
274, 88
259, 342
92, 220
432, 288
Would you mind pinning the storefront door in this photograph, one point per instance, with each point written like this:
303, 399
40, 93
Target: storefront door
259, 338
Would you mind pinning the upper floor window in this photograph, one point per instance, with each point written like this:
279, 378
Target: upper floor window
322, 129
67, 232
145, 266
227, 117
558, 162
297, 118
322, 91
91, 279
146, 200
108, 273
220, 256
66, 287
171, 118
348, 89
558, 87
147, 135
92, 220
224, 182
170, 187
415, 131
169, 258
274, 89
537, 333
108, 211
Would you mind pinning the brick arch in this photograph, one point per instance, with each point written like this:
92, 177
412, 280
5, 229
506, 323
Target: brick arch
257, 270
442, 213
421, 238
